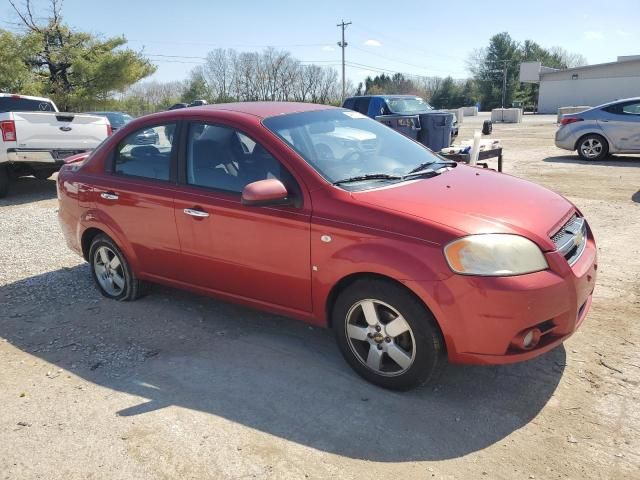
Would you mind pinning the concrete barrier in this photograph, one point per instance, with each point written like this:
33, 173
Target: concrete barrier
506, 115
459, 113
564, 110
470, 111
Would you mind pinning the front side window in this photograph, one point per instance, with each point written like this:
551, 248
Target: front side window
146, 153
342, 144
223, 158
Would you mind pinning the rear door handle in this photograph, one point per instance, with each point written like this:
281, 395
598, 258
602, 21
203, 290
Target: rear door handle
109, 195
195, 213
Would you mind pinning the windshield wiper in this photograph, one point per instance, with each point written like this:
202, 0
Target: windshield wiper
423, 166
370, 176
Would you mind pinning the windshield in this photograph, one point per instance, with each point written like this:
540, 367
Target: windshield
342, 144
408, 105
20, 104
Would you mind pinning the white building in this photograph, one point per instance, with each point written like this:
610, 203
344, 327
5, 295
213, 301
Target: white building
590, 85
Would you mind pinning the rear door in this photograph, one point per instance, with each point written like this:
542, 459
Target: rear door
621, 125
259, 253
136, 195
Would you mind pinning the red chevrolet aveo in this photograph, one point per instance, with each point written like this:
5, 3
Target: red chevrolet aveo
325, 215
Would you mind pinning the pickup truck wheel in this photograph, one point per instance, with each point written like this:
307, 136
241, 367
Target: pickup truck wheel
43, 174
4, 182
387, 336
112, 272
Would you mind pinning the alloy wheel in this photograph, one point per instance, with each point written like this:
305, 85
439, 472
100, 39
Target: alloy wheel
591, 148
380, 337
109, 271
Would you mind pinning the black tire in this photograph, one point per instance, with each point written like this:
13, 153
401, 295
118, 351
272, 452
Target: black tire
424, 335
43, 174
593, 147
133, 288
487, 127
4, 181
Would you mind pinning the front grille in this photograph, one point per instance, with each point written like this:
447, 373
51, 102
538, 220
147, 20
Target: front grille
571, 239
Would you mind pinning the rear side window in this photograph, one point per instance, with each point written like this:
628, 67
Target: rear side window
146, 153
20, 104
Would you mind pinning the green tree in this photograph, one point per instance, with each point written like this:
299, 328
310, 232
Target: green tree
196, 89
15, 74
502, 55
76, 68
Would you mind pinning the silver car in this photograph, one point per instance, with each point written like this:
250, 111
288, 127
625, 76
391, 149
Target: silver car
595, 133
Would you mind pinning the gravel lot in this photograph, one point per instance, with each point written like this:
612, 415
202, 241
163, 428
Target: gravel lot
182, 386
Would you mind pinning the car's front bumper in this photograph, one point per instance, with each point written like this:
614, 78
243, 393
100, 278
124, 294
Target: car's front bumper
481, 316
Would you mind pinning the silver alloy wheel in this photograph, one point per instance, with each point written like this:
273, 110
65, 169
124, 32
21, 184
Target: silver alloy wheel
109, 271
380, 337
591, 147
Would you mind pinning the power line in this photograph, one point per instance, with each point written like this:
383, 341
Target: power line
401, 61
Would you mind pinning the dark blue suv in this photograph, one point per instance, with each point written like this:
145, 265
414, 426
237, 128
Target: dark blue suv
410, 115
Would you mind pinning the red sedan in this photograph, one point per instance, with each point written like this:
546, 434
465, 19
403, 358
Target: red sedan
325, 215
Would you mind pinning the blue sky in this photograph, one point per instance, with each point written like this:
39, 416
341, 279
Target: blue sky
433, 39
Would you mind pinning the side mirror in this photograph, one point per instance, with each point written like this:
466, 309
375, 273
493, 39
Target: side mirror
269, 192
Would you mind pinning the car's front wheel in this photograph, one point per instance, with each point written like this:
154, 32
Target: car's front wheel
386, 335
593, 147
111, 271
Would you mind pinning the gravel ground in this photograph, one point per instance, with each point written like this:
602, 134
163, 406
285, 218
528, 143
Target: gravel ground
182, 386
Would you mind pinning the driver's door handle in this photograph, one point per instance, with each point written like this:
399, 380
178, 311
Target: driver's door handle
109, 195
195, 213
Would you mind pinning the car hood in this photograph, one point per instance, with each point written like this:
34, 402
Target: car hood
473, 200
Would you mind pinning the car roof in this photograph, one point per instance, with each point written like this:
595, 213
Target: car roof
608, 104
261, 109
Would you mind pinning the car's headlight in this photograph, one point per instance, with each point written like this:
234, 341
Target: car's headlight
494, 254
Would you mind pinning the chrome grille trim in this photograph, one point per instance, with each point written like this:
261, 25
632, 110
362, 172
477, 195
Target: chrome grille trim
571, 239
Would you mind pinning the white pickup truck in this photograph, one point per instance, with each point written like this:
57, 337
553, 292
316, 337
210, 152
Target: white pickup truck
35, 137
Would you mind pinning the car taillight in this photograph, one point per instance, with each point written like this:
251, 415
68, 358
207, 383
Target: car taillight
109, 130
8, 128
567, 121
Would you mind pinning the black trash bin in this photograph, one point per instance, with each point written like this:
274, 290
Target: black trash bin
436, 130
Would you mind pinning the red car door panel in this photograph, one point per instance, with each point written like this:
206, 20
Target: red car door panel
255, 252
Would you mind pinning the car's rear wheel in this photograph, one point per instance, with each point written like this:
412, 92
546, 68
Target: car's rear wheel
386, 335
4, 181
112, 272
593, 147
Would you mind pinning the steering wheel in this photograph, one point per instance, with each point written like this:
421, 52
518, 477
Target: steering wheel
324, 152
352, 156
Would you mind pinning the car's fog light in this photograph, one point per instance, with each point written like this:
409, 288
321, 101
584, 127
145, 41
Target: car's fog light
527, 340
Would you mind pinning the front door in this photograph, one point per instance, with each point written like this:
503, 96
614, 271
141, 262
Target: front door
259, 253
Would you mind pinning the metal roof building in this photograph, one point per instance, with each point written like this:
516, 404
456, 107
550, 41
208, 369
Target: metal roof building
589, 85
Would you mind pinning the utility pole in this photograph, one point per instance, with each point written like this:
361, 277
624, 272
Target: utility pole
343, 45
504, 81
